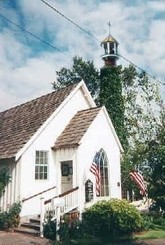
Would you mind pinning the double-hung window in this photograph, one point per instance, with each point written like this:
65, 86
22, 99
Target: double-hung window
41, 165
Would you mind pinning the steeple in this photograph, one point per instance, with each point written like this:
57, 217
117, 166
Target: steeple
110, 49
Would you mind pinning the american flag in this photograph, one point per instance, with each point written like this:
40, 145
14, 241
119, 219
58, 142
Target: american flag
95, 169
139, 180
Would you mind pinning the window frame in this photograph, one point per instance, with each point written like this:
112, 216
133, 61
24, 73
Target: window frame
103, 165
41, 164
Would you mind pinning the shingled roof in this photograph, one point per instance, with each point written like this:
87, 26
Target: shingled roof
18, 124
77, 127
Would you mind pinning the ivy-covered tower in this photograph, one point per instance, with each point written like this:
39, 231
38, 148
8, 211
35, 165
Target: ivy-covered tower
111, 85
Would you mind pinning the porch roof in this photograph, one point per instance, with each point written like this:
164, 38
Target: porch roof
18, 124
77, 127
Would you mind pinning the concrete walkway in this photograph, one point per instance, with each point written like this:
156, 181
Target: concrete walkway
13, 238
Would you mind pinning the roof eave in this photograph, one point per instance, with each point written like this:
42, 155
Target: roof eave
65, 146
9, 157
113, 130
87, 94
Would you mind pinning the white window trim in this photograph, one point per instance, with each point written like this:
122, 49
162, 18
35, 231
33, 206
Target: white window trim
42, 165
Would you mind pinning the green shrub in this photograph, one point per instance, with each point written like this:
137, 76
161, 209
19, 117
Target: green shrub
148, 221
4, 179
70, 229
11, 218
63, 231
50, 229
158, 218
153, 219
2, 220
115, 218
160, 221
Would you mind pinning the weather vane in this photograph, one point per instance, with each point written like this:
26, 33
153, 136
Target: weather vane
109, 24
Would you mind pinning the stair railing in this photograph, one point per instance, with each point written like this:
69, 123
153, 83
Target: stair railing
41, 205
57, 206
70, 200
38, 194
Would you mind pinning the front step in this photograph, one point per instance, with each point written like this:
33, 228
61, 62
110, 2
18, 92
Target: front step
27, 231
31, 228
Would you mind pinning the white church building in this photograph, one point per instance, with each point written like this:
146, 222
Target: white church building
49, 145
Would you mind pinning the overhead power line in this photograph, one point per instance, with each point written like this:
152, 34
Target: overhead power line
87, 32
52, 46
71, 21
138, 67
31, 34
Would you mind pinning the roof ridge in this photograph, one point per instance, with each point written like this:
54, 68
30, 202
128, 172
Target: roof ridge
39, 97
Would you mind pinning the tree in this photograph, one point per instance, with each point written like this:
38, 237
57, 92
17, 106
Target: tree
141, 98
79, 70
156, 163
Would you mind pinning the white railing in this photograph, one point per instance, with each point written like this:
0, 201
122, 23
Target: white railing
38, 194
70, 200
57, 206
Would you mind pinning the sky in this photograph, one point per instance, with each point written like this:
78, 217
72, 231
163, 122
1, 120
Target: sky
28, 66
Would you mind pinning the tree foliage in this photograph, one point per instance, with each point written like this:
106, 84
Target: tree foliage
156, 163
4, 179
141, 99
10, 218
79, 70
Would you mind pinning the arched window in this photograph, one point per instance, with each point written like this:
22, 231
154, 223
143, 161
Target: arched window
102, 164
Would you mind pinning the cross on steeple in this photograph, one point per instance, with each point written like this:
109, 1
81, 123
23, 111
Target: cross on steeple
110, 49
109, 24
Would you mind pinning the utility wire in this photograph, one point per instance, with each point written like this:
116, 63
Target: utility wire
87, 32
71, 21
31, 34
138, 67
52, 46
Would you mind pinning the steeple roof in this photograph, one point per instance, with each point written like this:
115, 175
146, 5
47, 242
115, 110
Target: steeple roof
110, 39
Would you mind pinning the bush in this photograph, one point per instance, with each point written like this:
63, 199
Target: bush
11, 218
50, 229
70, 229
152, 220
114, 218
148, 221
4, 179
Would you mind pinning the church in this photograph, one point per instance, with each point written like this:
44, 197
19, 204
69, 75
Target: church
61, 150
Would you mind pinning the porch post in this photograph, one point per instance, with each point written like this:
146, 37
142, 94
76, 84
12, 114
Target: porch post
41, 216
58, 214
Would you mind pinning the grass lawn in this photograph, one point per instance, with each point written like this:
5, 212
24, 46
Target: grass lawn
155, 233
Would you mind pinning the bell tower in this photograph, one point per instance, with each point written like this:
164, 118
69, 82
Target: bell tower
110, 50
